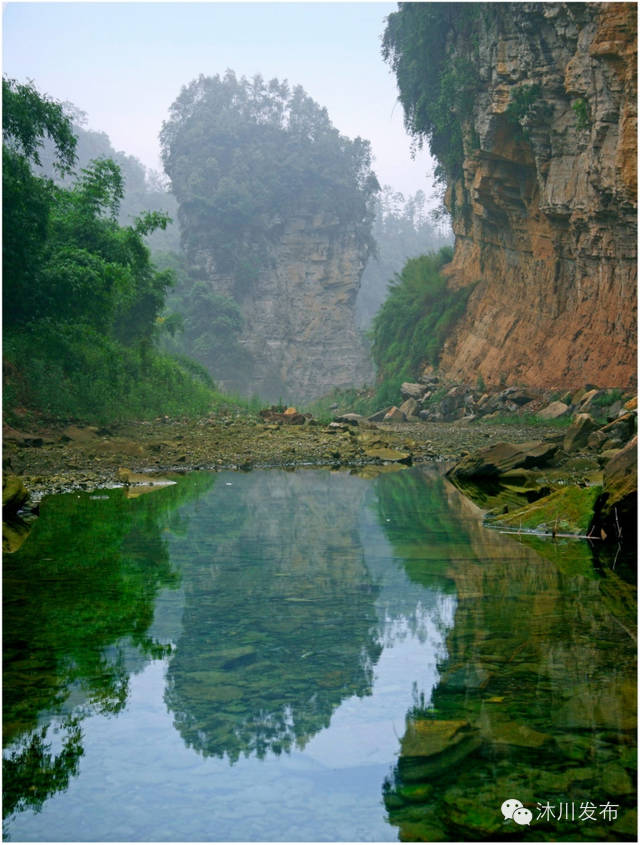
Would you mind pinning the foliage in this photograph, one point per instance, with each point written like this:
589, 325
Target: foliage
143, 189
82, 593
81, 297
76, 371
415, 320
523, 101
437, 89
201, 323
28, 117
34, 773
608, 397
402, 229
243, 155
582, 113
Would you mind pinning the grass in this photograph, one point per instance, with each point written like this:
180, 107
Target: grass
77, 373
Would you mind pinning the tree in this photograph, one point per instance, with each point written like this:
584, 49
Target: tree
243, 155
27, 118
436, 89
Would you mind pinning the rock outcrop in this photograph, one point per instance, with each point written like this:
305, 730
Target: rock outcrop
545, 213
299, 330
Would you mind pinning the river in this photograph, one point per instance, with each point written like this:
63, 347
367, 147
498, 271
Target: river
312, 656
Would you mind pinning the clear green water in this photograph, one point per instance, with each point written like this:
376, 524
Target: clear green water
317, 656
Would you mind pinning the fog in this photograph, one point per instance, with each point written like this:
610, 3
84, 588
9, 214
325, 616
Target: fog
124, 64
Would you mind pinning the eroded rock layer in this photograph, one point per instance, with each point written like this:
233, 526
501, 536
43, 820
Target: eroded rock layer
545, 214
299, 329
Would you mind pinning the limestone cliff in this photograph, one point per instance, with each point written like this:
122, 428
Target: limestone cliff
299, 331
545, 211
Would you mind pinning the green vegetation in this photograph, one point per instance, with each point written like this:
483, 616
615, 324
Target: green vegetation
565, 511
607, 398
582, 113
144, 190
200, 323
79, 602
521, 107
408, 332
416, 318
245, 155
81, 297
437, 91
402, 229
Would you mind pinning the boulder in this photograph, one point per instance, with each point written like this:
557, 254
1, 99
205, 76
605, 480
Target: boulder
288, 417
620, 430
596, 440
351, 419
14, 494
386, 454
394, 415
554, 411
517, 395
429, 376
410, 390
409, 407
578, 432
134, 479
613, 411
492, 461
577, 396
615, 511
379, 415
565, 511
488, 403
586, 404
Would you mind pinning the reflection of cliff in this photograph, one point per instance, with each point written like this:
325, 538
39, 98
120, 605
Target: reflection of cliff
279, 623
537, 700
78, 601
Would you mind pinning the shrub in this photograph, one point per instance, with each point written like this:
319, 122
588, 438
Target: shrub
416, 319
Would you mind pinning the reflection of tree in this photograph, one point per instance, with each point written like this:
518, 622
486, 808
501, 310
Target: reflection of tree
425, 533
279, 625
536, 698
77, 596
33, 773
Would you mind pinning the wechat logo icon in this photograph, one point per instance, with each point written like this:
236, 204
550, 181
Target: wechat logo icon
513, 809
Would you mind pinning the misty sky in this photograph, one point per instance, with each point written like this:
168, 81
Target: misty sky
124, 64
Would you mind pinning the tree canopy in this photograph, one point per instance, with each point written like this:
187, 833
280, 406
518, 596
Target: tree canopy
243, 155
436, 87
77, 286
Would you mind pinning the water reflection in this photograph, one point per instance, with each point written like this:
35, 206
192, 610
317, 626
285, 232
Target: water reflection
163, 653
536, 700
78, 600
279, 623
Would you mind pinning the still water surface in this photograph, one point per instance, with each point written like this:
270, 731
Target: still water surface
309, 656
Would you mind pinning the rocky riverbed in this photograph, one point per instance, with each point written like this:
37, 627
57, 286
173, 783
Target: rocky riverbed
60, 458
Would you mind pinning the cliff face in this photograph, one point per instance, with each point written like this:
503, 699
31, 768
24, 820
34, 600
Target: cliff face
545, 213
299, 329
